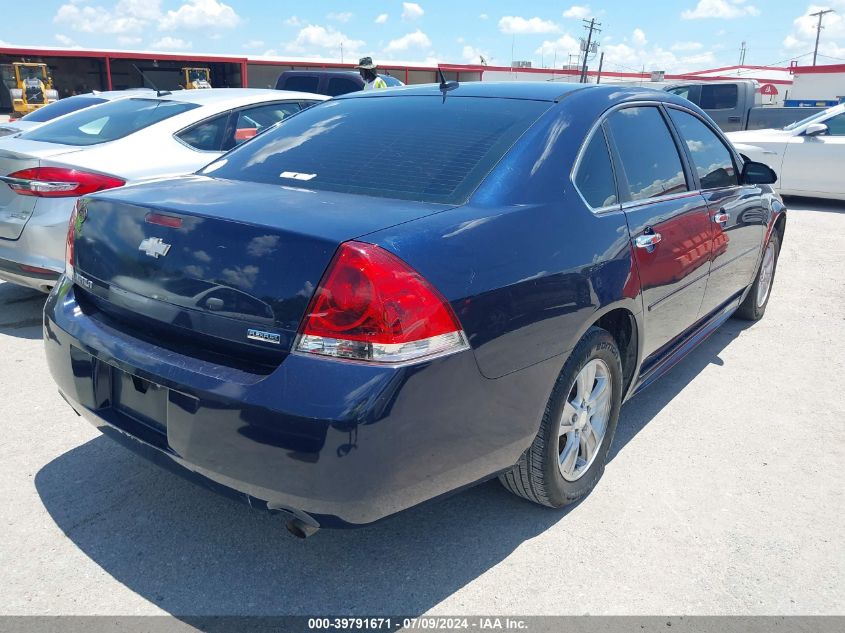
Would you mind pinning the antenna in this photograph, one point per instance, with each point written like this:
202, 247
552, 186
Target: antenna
445, 86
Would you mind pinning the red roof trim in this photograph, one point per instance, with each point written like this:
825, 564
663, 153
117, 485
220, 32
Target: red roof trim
724, 68
817, 70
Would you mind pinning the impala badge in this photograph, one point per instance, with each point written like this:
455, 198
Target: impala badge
266, 337
154, 247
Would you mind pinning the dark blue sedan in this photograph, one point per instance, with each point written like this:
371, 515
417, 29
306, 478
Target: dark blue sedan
393, 295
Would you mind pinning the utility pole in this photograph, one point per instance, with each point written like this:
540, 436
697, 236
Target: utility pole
592, 25
601, 63
820, 14
742, 55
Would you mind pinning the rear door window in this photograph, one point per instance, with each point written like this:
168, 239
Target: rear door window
378, 147
107, 122
341, 86
252, 121
302, 83
208, 135
719, 96
648, 153
594, 177
836, 125
713, 161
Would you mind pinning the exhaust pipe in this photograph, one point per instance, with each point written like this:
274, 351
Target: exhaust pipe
300, 529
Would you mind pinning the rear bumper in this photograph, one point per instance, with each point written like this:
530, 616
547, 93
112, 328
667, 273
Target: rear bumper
343, 442
14, 273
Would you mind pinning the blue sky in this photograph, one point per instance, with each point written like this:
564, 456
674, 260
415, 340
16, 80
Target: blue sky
673, 36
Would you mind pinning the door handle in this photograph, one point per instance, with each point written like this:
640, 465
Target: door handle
721, 217
648, 241
734, 119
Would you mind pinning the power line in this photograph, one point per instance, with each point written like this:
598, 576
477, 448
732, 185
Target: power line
592, 25
820, 14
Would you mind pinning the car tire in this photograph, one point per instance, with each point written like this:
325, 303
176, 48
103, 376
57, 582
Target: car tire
754, 305
539, 474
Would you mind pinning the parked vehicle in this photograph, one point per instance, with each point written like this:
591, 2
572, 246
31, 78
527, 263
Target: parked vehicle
809, 155
43, 171
475, 298
66, 106
28, 87
327, 82
736, 105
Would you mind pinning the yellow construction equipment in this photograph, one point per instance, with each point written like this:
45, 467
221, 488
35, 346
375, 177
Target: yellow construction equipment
196, 78
30, 87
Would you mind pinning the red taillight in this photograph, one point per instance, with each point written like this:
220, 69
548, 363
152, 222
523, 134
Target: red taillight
71, 235
371, 305
160, 219
59, 182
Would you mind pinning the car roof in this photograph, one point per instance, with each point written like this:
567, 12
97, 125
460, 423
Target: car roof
530, 90
235, 96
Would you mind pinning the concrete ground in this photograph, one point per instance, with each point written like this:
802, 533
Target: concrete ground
724, 495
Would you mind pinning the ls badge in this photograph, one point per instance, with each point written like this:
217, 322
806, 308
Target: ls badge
154, 247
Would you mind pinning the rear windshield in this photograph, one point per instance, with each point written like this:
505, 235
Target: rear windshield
62, 107
107, 122
413, 148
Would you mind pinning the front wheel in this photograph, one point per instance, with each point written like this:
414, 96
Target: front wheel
567, 457
754, 306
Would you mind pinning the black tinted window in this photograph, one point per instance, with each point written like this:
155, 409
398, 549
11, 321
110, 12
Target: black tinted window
341, 86
711, 158
207, 135
107, 122
253, 121
594, 178
379, 147
647, 152
719, 97
62, 107
301, 83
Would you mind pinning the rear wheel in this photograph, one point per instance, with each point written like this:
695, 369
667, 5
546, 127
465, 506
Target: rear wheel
754, 305
568, 455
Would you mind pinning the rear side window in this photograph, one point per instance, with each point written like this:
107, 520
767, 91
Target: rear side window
252, 121
341, 86
647, 152
206, 136
594, 177
409, 147
712, 160
836, 125
62, 107
107, 122
301, 83
719, 97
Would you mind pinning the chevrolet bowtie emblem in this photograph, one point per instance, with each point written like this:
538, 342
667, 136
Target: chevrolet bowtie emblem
154, 247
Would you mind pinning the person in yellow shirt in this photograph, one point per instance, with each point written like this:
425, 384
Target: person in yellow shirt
368, 73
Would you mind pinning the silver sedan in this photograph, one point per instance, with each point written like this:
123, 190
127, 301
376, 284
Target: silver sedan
114, 144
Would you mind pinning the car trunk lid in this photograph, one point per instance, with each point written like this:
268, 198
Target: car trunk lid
221, 264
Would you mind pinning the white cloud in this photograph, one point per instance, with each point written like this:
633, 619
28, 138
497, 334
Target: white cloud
511, 24
321, 39
630, 58
64, 40
577, 11
560, 48
254, 44
294, 21
473, 55
127, 40
417, 39
802, 37
381, 19
483, 16
168, 43
200, 14
687, 46
638, 37
724, 9
411, 11
127, 16
343, 16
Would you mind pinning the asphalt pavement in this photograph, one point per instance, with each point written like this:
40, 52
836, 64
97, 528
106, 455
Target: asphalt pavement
724, 495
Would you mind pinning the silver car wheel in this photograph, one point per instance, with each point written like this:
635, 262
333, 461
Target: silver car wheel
583, 423
767, 272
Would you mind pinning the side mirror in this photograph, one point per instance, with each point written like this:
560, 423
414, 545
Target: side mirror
757, 174
815, 129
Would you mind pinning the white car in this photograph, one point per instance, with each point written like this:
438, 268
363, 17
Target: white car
66, 106
43, 171
808, 155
